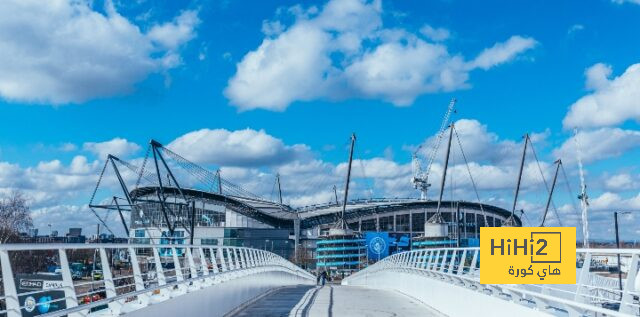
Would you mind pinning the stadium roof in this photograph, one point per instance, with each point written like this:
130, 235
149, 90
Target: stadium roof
282, 216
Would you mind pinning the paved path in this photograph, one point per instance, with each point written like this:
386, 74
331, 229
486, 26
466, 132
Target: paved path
335, 301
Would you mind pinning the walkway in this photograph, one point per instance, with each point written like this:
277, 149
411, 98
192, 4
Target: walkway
334, 301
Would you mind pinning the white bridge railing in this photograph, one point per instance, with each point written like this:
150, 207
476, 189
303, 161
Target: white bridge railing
111, 279
597, 291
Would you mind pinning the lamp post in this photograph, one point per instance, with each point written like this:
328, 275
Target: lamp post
615, 219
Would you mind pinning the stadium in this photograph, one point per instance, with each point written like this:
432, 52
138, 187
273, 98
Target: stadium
218, 212
237, 221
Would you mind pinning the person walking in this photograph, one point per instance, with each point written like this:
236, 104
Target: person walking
323, 277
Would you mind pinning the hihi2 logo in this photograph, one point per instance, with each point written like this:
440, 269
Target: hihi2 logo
528, 255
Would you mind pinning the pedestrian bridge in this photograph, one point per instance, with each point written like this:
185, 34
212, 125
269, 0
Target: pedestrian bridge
185, 280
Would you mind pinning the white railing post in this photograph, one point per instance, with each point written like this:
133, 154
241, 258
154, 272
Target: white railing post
444, 260
232, 258
427, 263
223, 264
203, 262
8, 283
629, 286
412, 259
109, 286
452, 261
474, 261
176, 265
261, 257
424, 258
243, 265
243, 251
463, 258
434, 261
212, 254
138, 280
191, 262
583, 278
69, 290
252, 257
159, 271
237, 255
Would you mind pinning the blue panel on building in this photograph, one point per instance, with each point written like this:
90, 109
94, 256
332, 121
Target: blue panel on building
377, 245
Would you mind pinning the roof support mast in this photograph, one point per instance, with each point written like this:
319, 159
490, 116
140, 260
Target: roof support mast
553, 186
436, 227
444, 173
279, 188
346, 186
510, 222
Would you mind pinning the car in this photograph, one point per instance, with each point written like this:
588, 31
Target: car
97, 274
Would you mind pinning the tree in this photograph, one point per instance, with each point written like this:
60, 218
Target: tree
15, 217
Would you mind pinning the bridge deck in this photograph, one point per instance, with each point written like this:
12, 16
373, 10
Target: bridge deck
334, 300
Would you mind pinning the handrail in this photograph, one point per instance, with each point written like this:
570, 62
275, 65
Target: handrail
196, 267
460, 266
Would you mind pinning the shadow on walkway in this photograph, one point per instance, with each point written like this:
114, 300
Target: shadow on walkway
278, 303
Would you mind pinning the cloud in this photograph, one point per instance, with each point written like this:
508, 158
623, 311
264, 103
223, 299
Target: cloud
66, 52
614, 202
435, 34
479, 144
64, 216
626, 1
598, 144
343, 51
67, 147
575, 28
503, 52
613, 101
246, 147
172, 35
621, 182
49, 182
118, 147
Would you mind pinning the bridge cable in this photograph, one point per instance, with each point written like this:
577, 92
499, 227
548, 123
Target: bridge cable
555, 210
473, 183
573, 199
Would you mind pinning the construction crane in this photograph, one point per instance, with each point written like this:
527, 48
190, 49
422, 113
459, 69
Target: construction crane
420, 179
584, 203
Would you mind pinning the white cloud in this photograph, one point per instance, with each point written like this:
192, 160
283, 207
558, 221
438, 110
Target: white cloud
117, 147
621, 182
65, 216
63, 51
597, 76
67, 147
626, 1
575, 28
612, 101
435, 34
172, 35
598, 144
614, 202
503, 52
343, 51
236, 148
479, 144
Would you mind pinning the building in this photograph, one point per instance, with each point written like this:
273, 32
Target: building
226, 220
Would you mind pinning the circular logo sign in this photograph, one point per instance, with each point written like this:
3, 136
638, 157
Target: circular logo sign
378, 245
29, 304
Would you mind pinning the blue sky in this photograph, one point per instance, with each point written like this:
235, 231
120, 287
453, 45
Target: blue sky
302, 75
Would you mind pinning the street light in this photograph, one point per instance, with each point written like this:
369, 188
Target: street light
615, 218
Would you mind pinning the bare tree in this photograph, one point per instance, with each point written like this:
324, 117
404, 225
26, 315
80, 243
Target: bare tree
15, 217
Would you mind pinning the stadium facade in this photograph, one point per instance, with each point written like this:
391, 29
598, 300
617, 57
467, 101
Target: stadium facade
239, 221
